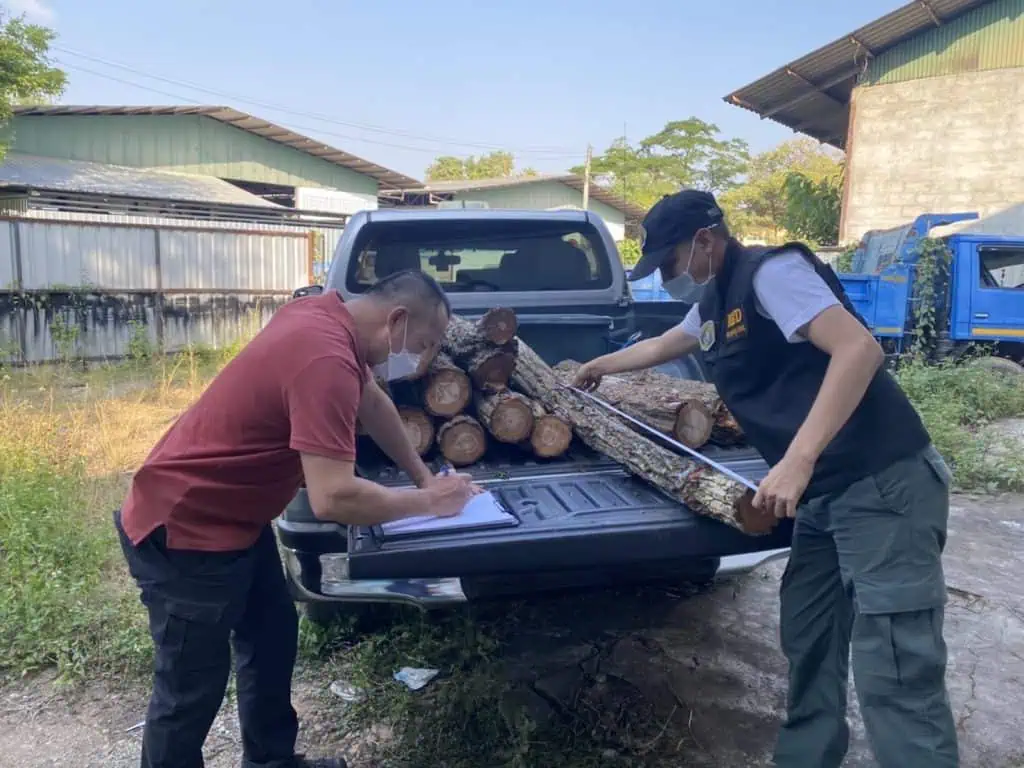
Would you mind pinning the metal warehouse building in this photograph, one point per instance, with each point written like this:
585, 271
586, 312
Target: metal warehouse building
543, 191
165, 225
928, 103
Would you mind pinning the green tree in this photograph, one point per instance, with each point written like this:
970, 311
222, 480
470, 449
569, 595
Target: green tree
629, 250
684, 153
26, 73
494, 165
446, 168
762, 206
813, 206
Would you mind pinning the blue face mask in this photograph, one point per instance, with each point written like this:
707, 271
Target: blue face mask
683, 287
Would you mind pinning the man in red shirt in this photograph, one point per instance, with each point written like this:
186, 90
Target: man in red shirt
196, 525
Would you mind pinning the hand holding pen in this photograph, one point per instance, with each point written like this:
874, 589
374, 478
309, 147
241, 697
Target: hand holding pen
449, 492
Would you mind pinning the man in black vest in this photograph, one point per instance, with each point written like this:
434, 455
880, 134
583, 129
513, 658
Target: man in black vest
850, 460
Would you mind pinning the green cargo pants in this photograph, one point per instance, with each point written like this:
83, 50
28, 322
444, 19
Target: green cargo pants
865, 565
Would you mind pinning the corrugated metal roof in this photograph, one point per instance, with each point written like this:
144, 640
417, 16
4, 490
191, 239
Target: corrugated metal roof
812, 94
569, 179
249, 123
49, 173
991, 37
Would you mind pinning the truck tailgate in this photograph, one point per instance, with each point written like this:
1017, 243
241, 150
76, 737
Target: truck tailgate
598, 517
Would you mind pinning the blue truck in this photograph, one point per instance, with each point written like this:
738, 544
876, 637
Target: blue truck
977, 298
583, 520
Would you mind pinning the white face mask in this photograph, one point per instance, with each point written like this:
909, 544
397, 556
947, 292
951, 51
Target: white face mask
399, 364
683, 287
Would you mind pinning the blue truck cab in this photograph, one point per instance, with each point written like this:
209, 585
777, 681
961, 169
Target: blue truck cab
979, 300
583, 521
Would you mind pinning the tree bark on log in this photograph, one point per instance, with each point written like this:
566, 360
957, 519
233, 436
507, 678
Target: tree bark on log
551, 435
498, 325
447, 390
702, 489
725, 430
462, 440
657, 403
507, 415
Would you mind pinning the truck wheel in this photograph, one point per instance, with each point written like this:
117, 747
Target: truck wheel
322, 614
700, 572
1001, 365
360, 618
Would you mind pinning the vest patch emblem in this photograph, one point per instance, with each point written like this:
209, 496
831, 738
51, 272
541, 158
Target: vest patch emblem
735, 328
707, 335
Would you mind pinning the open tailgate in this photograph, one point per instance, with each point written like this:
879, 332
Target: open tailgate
568, 520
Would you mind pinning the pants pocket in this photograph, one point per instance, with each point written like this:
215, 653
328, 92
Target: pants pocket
938, 466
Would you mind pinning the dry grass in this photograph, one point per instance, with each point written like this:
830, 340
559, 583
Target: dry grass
70, 442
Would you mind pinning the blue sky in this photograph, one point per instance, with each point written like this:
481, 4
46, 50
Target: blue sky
400, 82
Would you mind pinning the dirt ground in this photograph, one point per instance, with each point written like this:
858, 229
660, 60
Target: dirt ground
708, 662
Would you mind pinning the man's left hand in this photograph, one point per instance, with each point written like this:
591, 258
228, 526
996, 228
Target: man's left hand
781, 490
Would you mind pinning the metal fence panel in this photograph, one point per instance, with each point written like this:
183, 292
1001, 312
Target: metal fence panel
65, 255
8, 271
211, 261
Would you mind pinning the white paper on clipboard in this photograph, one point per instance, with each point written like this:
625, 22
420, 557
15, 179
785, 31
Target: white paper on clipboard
482, 511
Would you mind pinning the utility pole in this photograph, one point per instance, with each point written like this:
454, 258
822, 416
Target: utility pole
586, 178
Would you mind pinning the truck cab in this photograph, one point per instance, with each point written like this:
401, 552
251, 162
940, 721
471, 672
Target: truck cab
583, 520
978, 297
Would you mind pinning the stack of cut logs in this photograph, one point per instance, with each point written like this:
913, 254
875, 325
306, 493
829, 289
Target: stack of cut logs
487, 384
464, 399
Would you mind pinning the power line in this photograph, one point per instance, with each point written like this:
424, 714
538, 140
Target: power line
307, 129
556, 151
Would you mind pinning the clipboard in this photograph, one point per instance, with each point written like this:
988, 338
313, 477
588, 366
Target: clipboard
485, 511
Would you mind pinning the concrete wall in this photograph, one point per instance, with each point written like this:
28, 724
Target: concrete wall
544, 195
939, 144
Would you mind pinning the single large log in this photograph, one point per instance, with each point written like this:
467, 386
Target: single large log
702, 489
447, 390
507, 415
551, 435
498, 325
649, 395
657, 404
490, 368
462, 440
726, 430
418, 426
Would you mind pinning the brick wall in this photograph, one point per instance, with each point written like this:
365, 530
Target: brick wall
941, 144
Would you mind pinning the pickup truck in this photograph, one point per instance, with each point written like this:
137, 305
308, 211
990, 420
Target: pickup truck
584, 521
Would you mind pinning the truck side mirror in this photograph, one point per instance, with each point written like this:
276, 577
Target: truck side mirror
309, 290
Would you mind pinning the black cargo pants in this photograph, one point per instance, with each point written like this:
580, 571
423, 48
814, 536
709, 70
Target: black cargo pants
865, 574
201, 604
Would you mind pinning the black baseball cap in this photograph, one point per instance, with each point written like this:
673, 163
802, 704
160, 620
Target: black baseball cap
673, 220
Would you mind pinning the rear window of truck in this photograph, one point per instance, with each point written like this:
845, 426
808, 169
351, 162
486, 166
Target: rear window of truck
484, 255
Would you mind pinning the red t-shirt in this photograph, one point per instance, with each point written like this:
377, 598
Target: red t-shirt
230, 464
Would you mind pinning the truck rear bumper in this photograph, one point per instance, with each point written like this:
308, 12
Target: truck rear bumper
335, 587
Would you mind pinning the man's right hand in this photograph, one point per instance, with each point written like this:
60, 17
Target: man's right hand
448, 494
588, 377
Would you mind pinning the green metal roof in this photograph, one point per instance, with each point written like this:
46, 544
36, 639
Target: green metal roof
990, 37
812, 94
165, 153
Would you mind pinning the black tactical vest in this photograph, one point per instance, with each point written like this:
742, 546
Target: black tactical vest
770, 384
